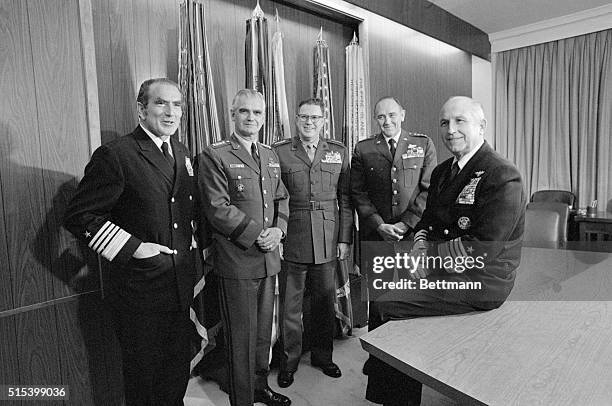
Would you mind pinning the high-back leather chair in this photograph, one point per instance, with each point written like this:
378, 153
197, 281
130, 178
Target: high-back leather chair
560, 196
541, 228
563, 210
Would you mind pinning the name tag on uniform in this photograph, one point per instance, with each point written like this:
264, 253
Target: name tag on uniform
332, 158
274, 165
414, 151
236, 165
188, 166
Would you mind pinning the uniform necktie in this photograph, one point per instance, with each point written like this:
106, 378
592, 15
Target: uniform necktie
454, 171
166, 152
392, 147
255, 155
310, 150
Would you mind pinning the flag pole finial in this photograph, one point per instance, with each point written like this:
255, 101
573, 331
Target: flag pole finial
277, 20
354, 41
320, 34
257, 11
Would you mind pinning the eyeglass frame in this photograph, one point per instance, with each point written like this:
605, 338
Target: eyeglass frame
304, 118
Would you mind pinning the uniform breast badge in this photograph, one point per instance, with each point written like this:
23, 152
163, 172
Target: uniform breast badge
188, 166
332, 157
240, 187
464, 223
414, 151
468, 194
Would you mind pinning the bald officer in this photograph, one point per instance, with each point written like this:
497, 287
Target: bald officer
316, 173
246, 204
390, 175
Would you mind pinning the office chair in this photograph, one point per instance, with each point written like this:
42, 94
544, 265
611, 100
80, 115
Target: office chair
563, 210
541, 228
560, 196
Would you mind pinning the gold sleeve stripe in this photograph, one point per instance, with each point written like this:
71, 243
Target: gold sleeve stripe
109, 240
452, 248
420, 235
459, 247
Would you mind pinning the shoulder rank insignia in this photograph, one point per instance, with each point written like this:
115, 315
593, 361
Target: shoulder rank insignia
468, 194
282, 142
335, 142
264, 145
220, 144
332, 157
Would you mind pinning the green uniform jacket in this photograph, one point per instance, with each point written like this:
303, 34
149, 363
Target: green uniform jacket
320, 211
239, 200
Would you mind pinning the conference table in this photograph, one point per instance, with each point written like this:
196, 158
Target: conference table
550, 343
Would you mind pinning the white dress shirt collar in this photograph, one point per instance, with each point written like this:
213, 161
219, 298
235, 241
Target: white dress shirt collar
157, 140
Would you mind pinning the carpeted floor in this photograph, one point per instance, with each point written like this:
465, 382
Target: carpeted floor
311, 387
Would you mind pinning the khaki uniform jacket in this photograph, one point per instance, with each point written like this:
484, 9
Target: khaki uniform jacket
386, 189
320, 211
239, 200
127, 196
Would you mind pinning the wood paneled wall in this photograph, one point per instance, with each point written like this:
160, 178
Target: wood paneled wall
418, 70
137, 39
53, 329
48, 294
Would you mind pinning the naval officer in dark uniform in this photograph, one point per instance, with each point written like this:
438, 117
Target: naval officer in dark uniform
134, 207
246, 205
390, 175
316, 173
475, 209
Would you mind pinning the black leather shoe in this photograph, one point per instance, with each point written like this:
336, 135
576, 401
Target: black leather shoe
330, 369
271, 398
285, 378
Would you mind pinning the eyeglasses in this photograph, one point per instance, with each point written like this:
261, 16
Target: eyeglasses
303, 118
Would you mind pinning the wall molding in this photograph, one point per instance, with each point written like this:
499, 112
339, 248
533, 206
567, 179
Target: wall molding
571, 25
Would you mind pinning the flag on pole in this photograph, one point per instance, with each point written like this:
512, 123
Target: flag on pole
322, 90
281, 128
355, 114
258, 68
199, 128
322, 83
355, 129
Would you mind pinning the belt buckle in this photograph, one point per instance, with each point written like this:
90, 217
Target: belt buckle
312, 204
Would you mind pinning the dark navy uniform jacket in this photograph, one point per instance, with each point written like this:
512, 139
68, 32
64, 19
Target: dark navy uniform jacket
389, 189
128, 195
481, 213
320, 211
240, 199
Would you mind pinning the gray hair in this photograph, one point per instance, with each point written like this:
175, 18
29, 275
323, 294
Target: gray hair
247, 93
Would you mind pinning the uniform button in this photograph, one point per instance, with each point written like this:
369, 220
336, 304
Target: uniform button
394, 180
175, 225
394, 169
266, 205
395, 192
265, 192
172, 200
430, 228
239, 177
175, 252
445, 231
265, 219
190, 197
262, 178
190, 248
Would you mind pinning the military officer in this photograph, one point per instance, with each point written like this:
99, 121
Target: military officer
246, 205
390, 175
316, 173
475, 214
134, 207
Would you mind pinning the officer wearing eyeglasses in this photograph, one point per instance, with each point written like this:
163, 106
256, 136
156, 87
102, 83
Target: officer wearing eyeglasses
316, 174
